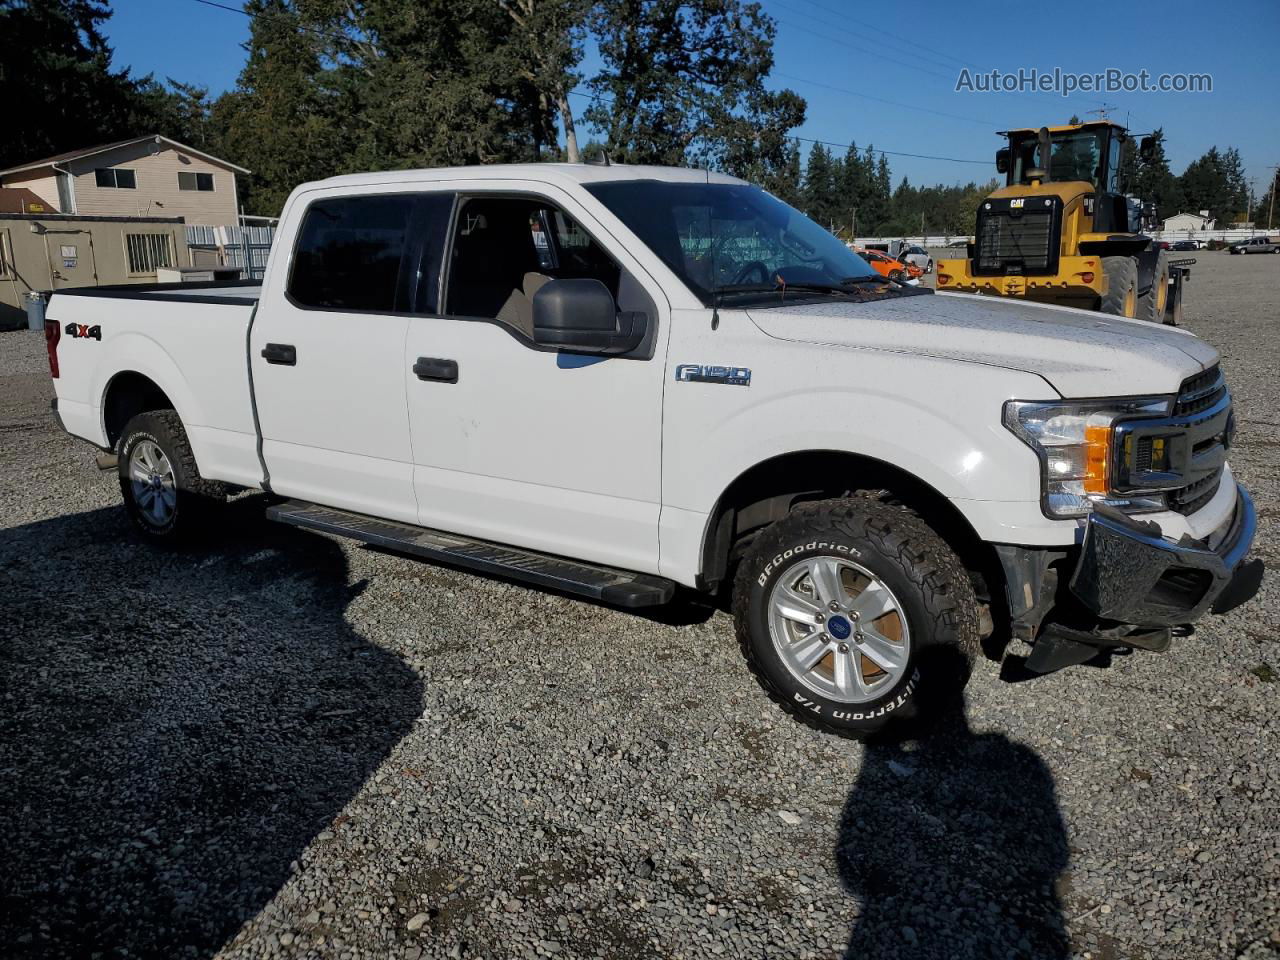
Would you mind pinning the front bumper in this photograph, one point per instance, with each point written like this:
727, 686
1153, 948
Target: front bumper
1069, 282
1129, 573
1126, 586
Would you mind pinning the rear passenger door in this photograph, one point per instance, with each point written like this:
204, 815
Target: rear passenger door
522, 444
327, 351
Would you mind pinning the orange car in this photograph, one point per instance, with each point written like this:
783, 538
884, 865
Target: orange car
887, 266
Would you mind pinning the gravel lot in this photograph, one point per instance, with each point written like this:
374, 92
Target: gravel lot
286, 745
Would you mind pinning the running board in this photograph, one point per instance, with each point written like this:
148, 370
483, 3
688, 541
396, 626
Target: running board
618, 587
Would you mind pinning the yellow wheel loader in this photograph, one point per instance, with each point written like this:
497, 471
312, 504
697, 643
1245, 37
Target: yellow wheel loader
1062, 231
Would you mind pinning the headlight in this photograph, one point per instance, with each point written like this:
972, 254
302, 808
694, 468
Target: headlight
1074, 443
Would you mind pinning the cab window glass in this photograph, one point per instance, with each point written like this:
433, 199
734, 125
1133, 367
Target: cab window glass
349, 252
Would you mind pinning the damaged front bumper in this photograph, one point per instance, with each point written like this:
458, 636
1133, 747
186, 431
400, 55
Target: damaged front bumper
1126, 586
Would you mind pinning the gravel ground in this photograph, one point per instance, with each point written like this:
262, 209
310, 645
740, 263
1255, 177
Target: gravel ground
287, 745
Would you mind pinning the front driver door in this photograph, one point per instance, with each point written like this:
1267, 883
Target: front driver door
521, 444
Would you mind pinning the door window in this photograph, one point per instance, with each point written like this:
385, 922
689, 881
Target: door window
372, 254
506, 248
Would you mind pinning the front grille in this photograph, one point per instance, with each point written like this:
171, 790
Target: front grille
1189, 446
1187, 500
1023, 242
1199, 392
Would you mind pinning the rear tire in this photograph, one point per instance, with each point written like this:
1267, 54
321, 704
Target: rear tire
913, 659
1121, 298
164, 495
1152, 307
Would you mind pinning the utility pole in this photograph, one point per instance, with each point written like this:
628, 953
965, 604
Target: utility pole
1275, 180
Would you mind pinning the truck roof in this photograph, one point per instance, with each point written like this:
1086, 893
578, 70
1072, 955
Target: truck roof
561, 173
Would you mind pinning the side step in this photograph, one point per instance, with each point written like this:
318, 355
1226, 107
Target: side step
618, 587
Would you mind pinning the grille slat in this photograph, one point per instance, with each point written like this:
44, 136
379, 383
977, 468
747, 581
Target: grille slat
1198, 393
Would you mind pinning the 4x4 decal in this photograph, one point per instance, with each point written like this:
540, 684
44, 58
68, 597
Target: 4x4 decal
82, 330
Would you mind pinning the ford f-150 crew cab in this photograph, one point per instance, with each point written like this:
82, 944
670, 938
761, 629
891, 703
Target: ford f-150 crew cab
614, 380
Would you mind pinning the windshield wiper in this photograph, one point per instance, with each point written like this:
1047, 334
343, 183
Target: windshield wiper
865, 278
731, 288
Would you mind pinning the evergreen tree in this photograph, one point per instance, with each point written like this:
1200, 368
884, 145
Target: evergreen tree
280, 121
682, 81
57, 80
1154, 183
1215, 182
818, 193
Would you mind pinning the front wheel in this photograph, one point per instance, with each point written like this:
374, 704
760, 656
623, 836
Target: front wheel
164, 495
853, 612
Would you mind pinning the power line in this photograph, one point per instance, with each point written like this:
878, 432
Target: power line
893, 103
825, 143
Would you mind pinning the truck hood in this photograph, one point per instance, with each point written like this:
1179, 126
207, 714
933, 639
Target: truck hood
1080, 354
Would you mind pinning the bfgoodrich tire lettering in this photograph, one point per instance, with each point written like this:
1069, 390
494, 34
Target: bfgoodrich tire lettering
157, 438
928, 585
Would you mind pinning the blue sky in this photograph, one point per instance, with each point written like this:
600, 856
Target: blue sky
911, 52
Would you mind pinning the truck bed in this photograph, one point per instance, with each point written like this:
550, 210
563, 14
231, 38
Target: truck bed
186, 339
245, 293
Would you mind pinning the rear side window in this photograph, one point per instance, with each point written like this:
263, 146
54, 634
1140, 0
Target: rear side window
349, 252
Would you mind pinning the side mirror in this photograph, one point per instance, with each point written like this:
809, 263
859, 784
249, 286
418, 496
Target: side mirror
1002, 160
580, 316
1147, 148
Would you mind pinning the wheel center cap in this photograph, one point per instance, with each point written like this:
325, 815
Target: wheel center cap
839, 627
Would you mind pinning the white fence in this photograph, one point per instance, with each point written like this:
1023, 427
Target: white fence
1203, 236
234, 245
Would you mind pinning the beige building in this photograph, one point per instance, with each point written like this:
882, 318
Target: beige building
150, 176
47, 253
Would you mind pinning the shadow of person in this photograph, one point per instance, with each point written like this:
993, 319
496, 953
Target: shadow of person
952, 842
175, 728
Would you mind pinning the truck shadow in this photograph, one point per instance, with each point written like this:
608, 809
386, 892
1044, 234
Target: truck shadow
175, 728
954, 846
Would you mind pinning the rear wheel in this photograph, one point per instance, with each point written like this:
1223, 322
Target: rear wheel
164, 494
853, 612
1121, 298
1152, 306
898, 275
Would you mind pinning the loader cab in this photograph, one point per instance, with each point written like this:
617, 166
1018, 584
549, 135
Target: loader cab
1082, 153
1088, 153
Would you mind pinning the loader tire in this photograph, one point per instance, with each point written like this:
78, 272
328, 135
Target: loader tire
1153, 305
1121, 298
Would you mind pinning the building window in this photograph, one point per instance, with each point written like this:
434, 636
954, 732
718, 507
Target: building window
147, 251
195, 181
119, 178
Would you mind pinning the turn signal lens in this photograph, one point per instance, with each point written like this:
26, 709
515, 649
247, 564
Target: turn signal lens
1097, 444
944, 278
1087, 277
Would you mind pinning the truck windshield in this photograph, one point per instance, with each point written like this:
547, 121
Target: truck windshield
723, 239
1074, 155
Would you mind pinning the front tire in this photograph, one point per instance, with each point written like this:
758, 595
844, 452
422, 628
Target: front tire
164, 495
853, 612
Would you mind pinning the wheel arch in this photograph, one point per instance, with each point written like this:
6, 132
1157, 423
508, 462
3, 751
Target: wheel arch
769, 490
127, 394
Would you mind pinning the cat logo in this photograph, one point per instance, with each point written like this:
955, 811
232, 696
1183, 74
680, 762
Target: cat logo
1016, 202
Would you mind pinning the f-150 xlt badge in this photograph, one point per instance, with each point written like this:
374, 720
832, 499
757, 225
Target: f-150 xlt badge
84, 330
711, 373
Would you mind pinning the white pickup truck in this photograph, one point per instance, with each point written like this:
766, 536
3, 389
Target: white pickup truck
613, 380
